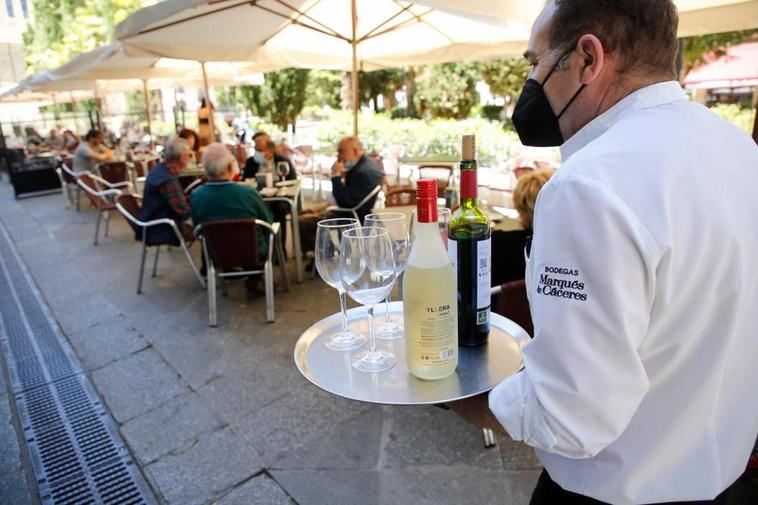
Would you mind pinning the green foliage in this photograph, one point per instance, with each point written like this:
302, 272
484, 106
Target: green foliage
380, 82
505, 77
250, 97
282, 96
422, 138
63, 29
135, 102
447, 90
741, 117
695, 49
324, 89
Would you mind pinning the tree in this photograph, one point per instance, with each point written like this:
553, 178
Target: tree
324, 89
62, 29
447, 90
381, 82
505, 77
695, 49
282, 95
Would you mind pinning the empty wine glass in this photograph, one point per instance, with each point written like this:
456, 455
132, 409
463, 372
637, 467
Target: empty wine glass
367, 266
394, 223
328, 251
443, 219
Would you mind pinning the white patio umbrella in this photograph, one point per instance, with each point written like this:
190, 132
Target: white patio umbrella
109, 68
696, 17
333, 34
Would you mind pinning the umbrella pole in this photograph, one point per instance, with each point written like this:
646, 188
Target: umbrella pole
147, 110
211, 123
354, 74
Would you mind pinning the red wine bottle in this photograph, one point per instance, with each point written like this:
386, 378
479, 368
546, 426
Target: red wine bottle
469, 251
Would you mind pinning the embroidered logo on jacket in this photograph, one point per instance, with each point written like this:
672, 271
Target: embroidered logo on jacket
561, 282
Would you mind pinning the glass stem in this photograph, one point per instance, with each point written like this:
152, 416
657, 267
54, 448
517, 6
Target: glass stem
343, 308
372, 340
387, 305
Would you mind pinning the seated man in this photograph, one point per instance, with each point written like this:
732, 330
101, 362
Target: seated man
265, 150
164, 197
91, 152
220, 198
354, 176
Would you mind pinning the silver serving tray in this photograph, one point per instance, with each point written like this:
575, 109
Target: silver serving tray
479, 368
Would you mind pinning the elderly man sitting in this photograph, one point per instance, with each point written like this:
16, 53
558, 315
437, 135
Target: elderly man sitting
221, 198
164, 197
354, 176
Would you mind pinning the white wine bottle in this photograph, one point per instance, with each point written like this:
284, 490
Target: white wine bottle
430, 308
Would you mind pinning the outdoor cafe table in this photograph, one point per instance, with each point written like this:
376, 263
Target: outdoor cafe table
479, 368
497, 205
289, 193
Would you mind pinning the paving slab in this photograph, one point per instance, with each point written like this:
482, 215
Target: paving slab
168, 427
428, 435
106, 342
285, 425
331, 487
215, 463
137, 384
82, 312
356, 444
456, 484
260, 490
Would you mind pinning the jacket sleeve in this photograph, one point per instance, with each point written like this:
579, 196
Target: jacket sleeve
591, 292
362, 181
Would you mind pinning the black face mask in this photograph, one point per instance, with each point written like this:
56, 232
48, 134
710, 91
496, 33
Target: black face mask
534, 119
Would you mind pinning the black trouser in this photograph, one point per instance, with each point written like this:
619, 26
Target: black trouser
547, 492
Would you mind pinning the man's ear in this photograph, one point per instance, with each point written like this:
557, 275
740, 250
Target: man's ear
592, 58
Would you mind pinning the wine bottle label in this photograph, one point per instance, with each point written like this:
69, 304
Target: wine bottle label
452, 252
483, 264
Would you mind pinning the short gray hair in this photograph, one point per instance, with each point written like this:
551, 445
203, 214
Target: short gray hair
175, 148
216, 159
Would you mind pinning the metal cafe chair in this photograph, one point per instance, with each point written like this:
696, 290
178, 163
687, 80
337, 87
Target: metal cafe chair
230, 248
443, 174
115, 172
128, 206
103, 195
68, 179
354, 210
400, 197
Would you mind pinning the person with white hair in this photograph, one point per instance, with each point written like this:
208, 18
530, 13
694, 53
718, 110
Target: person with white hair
164, 197
221, 198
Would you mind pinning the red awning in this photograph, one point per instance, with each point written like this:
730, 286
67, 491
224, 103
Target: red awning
737, 68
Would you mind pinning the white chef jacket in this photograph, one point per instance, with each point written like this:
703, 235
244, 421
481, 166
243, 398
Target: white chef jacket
640, 383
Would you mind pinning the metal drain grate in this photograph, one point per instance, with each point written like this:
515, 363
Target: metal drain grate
76, 453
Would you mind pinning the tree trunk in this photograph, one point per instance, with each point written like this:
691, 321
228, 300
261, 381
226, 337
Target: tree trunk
346, 92
410, 91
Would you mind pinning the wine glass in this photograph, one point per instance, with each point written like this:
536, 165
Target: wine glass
394, 223
443, 219
282, 169
328, 251
367, 266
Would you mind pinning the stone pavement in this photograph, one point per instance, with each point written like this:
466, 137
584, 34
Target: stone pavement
221, 415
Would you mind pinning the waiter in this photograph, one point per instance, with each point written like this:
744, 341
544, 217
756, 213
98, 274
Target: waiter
640, 383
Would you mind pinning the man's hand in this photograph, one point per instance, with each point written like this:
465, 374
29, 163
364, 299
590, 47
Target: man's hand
338, 169
476, 410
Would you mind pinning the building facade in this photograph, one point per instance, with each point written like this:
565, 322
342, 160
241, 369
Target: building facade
14, 16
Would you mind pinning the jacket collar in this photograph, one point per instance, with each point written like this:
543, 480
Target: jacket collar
650, 96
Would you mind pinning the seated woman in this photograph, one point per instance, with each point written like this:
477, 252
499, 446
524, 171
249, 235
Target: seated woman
191, 137
508, 246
